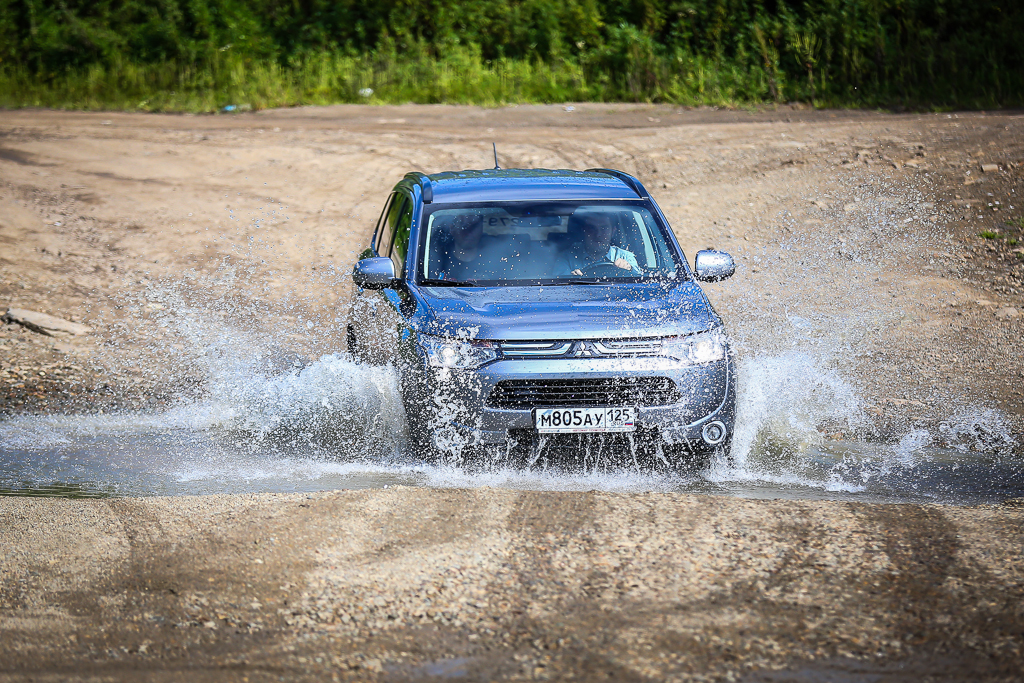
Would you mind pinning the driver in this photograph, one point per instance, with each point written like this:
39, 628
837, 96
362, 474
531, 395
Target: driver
595, 247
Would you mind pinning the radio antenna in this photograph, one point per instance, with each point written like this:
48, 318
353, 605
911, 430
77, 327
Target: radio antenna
495, 148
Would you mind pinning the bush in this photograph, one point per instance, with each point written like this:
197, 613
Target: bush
201, 54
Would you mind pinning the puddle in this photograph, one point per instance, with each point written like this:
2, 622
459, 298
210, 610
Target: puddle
456, 667
336, 424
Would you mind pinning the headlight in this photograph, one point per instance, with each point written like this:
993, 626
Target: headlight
449, 352
695, 349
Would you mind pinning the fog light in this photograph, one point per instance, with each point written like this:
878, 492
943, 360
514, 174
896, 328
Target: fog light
713, 433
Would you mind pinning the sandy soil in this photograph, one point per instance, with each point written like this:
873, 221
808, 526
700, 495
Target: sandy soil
857, 238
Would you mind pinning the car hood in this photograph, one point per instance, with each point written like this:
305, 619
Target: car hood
565, 311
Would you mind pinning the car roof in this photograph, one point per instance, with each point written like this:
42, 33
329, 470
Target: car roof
529, 184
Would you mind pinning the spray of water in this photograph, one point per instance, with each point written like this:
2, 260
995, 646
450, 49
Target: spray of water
255, 413
335, 423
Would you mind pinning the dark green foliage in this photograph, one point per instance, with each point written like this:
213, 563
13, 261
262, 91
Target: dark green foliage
50, 36
846, 52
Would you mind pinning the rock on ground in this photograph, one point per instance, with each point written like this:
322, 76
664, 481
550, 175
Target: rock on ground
44, 323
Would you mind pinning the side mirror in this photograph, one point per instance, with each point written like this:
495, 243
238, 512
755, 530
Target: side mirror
377, 272
711, 265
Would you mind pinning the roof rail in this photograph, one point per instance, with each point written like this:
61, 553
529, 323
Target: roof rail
631, 182
424, 181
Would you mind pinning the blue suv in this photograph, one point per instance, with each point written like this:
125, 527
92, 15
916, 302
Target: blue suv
545, 317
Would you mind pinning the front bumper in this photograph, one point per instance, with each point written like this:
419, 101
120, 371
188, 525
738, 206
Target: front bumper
707, 394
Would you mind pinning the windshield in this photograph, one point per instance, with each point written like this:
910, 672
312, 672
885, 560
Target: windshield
506, 243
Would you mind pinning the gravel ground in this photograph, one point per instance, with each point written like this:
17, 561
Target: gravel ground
419, 584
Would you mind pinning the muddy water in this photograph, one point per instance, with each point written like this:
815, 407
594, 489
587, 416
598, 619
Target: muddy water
335, 424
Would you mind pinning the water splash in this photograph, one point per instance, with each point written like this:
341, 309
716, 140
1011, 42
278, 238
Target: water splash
339, 424
986, 431
802, 427
335, 404
266, 418
784, 403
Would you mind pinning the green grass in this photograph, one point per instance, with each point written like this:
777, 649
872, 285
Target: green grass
988, 234
199, 55
461, 77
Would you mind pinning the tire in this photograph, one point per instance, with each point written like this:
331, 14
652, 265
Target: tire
420, 436
350, 339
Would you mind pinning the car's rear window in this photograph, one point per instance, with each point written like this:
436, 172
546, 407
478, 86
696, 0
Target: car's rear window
516, 243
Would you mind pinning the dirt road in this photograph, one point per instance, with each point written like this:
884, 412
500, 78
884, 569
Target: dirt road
859, 243
420, 584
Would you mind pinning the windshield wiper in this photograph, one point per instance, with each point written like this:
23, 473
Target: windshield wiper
583, 281
434, 282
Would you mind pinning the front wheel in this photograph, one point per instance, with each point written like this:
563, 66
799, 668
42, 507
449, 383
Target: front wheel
417, 416
350, 338
421, 443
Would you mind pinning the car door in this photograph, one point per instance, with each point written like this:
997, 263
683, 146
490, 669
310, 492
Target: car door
377, 314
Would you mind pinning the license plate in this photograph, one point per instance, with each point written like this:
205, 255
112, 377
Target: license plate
576, 420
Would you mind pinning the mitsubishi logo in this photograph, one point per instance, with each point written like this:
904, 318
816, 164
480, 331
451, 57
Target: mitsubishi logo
583, 350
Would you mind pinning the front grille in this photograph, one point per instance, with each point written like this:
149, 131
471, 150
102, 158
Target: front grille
548, 393
612, 348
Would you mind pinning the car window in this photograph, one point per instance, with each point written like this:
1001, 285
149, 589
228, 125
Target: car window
402, 228
399, 207
498, 243
382, 234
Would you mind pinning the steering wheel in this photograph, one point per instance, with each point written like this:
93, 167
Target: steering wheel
604, 269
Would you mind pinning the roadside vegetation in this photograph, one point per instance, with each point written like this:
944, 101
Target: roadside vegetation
203, 55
